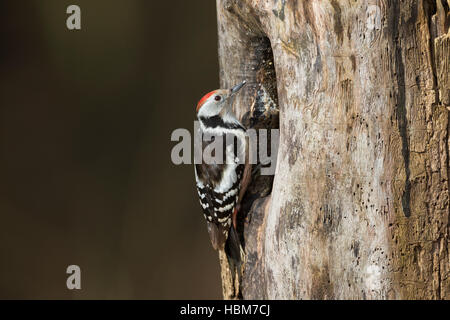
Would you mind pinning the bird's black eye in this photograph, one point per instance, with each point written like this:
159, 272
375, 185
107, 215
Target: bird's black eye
217, 98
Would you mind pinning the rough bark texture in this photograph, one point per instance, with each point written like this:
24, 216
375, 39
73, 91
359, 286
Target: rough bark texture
359, 207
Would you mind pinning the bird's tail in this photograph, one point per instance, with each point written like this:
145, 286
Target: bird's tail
235, 253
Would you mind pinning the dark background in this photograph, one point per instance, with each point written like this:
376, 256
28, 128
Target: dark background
85, 171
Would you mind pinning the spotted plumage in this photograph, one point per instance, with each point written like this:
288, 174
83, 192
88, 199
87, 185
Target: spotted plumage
218, 201
219, 183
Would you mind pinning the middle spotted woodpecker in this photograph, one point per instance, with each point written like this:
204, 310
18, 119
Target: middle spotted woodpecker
221, 185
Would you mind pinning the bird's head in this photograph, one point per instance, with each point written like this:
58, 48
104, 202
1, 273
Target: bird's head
216, 102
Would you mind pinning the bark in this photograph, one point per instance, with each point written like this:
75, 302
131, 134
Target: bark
359, 206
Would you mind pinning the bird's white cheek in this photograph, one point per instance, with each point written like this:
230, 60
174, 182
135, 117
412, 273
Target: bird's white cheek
210, 109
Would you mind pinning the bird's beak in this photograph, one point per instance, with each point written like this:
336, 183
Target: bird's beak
238, 87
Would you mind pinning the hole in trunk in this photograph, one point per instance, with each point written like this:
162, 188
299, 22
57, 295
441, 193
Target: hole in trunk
264, 114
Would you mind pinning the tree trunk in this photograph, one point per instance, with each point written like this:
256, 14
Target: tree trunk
359, 207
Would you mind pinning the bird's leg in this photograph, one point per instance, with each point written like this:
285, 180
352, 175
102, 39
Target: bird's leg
234, 215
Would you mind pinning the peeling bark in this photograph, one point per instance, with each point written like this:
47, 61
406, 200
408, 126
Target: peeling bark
359, 205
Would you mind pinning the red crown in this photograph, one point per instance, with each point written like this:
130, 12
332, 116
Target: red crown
203, 100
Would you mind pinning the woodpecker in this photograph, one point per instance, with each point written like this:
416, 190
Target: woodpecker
221, 186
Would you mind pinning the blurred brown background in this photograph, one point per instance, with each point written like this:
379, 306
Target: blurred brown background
86, 176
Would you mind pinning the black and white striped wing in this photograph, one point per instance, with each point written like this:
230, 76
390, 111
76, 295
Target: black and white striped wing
218, 198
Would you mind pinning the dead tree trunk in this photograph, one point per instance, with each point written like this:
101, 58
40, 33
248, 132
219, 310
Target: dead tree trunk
359, 206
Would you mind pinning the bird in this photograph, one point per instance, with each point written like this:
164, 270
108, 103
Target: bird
221, 185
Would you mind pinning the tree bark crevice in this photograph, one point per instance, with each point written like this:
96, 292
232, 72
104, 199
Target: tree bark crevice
359, 204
